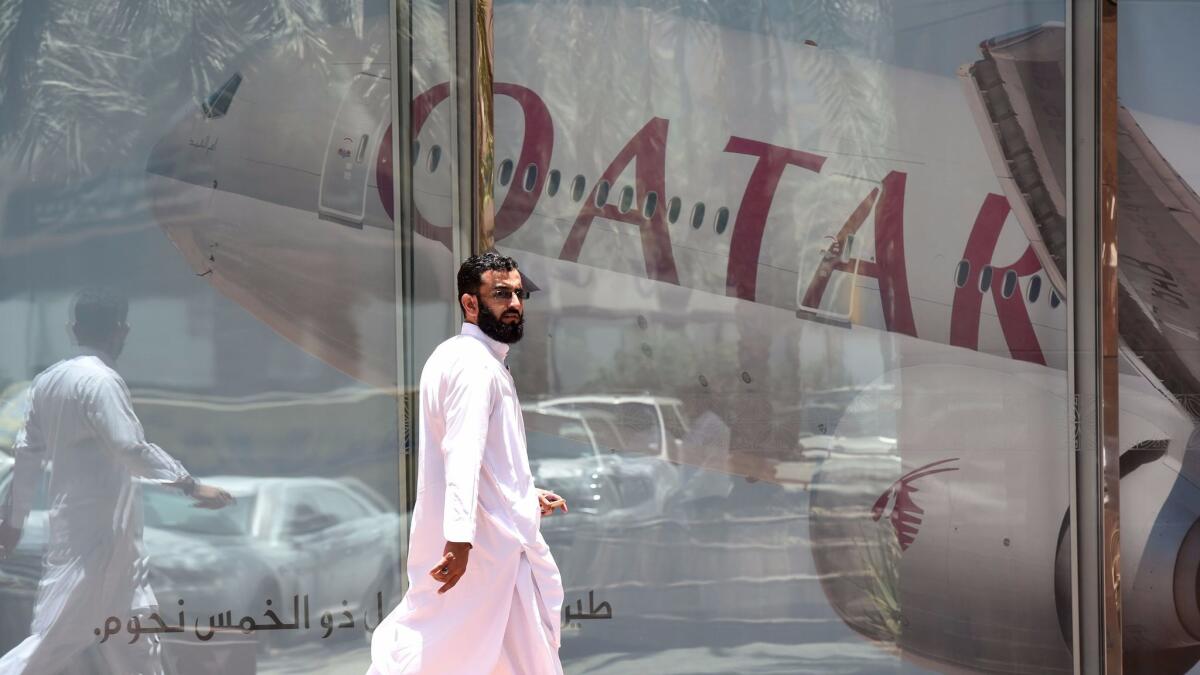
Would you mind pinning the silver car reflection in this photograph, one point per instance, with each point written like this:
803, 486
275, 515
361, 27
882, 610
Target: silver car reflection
569, 455
335, 542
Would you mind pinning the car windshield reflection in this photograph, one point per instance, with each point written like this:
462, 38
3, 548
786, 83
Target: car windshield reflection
548, 446
171, 511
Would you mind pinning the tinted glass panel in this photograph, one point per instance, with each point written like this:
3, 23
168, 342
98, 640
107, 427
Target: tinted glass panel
821, 447
206, 192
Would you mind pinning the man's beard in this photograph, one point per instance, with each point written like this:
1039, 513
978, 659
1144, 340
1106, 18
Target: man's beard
508, 333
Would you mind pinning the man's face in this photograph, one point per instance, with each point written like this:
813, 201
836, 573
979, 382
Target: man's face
501, 310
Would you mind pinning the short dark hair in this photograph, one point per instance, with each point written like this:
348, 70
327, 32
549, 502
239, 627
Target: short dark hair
97, 312
470, 274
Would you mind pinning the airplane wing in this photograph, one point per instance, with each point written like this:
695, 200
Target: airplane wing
1017, 94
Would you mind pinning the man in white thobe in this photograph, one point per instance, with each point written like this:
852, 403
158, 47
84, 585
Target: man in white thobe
80, 420
485, 594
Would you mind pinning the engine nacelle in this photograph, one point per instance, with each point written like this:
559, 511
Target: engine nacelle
954, 548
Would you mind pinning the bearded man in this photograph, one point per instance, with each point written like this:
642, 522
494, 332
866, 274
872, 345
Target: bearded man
484, 593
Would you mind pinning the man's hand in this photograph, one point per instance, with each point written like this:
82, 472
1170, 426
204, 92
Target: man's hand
210, 497
550, 501
453, 565
9, 538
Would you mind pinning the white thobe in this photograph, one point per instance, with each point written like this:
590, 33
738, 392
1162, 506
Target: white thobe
81, 420
474, 485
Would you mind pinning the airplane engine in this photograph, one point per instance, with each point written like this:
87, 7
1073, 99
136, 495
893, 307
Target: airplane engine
1160, 563
953, 546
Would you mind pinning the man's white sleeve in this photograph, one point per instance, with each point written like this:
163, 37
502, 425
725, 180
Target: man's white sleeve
30, 453
110, 414
468, 409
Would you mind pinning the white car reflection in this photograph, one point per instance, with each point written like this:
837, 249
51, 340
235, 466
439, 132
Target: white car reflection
336, 542
568, 455
628, 424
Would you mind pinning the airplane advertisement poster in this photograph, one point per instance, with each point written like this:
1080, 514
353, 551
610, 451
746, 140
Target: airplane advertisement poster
797, 352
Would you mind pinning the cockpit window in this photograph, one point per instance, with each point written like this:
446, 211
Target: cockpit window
217, 103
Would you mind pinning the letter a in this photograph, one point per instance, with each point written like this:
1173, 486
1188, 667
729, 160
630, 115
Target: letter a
648, 148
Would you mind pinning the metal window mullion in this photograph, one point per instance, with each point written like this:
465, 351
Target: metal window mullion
472, 99
400, 50
1093, 337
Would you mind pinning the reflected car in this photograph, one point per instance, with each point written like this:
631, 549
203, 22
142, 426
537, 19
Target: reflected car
568, 455
335, 543
630, 424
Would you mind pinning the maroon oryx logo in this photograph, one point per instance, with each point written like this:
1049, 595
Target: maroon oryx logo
906, 515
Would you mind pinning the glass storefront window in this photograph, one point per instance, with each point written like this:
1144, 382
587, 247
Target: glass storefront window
797, 352
830, 435
226, 168
1158, 230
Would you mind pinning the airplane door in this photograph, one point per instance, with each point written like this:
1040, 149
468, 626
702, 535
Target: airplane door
355, 135
828, 293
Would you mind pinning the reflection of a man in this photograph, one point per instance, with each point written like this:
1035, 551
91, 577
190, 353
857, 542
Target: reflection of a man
81, 421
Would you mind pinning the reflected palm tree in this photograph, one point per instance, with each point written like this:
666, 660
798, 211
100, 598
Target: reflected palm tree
82, 80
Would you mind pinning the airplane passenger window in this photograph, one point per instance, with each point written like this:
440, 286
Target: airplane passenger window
722, 219
651, 204
416, 146
577, 187
1010, 284
961, 273
553, 181
675, 205
506, 171
602, 193
531, 174
698, 215
1035, 289
626, 199
1055, 301
985, 279
435, 158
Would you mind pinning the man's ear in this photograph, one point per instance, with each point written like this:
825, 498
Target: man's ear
470, 306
